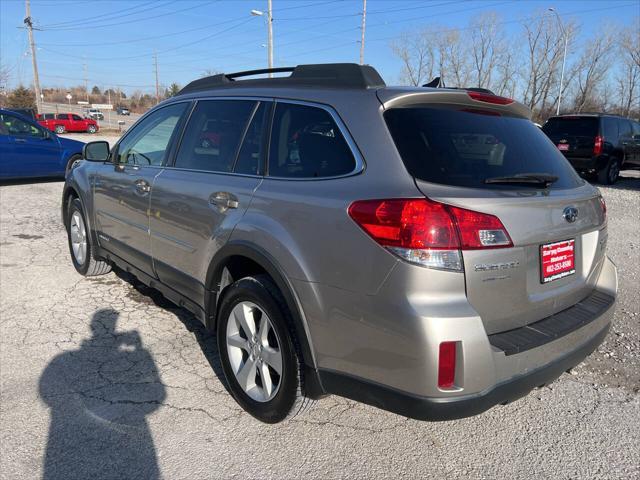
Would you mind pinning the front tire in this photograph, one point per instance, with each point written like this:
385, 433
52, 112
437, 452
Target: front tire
258, 350
609, 175
70, 163
92, 129
80, 247
59, 129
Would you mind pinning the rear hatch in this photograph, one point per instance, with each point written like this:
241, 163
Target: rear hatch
574, 136
555, 223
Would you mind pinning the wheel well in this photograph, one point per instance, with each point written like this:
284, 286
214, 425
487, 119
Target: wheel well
69, 195
239, 260
236, 267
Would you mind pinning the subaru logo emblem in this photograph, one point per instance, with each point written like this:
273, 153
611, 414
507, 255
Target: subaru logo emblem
570, 214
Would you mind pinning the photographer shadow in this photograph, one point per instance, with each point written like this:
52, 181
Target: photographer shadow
99, 397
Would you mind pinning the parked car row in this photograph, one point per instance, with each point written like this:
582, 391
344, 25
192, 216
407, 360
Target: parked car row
27, 149
596, 144
67, 122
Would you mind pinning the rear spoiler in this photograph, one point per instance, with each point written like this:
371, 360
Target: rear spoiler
438, 82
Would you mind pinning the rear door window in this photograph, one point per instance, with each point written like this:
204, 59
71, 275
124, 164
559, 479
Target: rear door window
213, 135
463, 147
625, 128
610, 129
307, 143
63, 116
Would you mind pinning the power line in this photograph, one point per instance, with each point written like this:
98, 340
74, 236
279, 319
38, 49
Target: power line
113, 15
147, 38
246, 20
173, 12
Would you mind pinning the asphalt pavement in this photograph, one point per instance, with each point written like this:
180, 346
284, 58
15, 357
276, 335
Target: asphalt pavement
103, 378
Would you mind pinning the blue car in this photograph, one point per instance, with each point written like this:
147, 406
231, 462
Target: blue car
28, 150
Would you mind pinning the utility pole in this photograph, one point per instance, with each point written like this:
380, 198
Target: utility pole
155, 64
28, 21
86, 78
270, 32
364, 24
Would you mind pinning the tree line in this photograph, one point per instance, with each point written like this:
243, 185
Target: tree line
601, 74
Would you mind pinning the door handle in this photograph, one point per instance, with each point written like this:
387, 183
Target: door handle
21, 140
142, 187
223, 200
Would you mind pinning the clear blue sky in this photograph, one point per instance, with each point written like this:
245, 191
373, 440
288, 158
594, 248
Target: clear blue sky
117, 38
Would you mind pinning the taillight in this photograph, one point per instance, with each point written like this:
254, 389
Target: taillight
489, 98
597, 146
428, 233
603, 205
447, 365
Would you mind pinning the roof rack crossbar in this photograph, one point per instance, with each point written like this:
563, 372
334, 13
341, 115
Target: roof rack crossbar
336, 75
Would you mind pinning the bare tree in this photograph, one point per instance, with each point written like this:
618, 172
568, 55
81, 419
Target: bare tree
454, 58
487, 48
544, 43
591, 70
418, 56
628, 79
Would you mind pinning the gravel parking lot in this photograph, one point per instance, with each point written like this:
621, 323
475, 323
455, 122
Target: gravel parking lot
103, 378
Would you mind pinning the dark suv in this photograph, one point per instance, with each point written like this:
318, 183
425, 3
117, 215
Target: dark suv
597, 143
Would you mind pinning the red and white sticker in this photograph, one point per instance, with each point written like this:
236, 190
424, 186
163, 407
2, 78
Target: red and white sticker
563, 147
557, 260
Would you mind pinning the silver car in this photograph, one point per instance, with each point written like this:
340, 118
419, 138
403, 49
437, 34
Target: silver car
428, 251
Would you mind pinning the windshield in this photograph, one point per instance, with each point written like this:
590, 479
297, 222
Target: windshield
458, 146
572, 126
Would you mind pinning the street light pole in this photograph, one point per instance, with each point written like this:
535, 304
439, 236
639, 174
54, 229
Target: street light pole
269, 18
564, 58
270, 33
364, 24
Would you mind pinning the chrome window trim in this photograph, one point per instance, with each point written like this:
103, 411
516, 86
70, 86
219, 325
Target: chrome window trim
359, 161
160, 106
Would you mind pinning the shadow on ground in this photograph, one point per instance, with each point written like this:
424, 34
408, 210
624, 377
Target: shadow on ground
99, 396
141, 293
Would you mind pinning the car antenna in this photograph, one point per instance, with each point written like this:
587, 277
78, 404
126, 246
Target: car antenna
437, 82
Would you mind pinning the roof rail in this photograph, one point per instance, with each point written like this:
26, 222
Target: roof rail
438, 82
340, 75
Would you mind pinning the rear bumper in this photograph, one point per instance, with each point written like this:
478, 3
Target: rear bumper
401, 374
451, 408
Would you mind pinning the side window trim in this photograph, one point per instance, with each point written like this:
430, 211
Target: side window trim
256, 107
185, 121
179, 127
353, 148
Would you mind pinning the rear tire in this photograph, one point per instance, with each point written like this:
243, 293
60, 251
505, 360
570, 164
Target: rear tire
59, 129
609, 175
80, 247
256, 304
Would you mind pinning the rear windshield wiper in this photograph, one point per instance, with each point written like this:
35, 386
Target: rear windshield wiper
533, 179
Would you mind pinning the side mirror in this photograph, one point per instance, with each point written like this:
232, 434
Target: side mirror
636, 137
96, 151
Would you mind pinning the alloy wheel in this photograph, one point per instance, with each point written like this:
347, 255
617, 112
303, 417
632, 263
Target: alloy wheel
254, 353
78, 234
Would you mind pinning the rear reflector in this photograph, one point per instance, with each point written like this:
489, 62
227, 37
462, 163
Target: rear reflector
428, 233
488, 98
447, 365
598, 144
603, 205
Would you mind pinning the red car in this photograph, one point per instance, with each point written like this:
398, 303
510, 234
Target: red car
67, 122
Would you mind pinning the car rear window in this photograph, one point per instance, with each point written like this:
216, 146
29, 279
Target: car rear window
580, 126
458, 146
